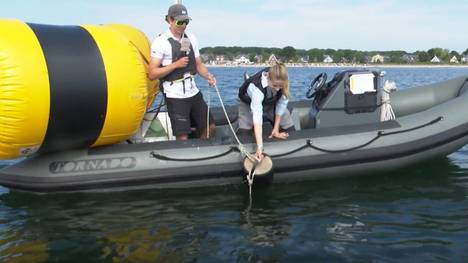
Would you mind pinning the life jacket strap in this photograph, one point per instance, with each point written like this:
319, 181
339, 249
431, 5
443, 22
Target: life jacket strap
190, 77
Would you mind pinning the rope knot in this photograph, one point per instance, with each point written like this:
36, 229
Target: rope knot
389, 86
386, 112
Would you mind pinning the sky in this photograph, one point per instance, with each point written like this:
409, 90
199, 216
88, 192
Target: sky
367, 25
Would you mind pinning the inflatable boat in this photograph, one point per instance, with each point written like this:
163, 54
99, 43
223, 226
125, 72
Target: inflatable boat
340, 131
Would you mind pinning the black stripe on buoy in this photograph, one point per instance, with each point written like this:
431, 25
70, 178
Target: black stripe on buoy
78, 87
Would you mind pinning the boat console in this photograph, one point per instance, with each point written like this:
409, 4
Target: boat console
352, 97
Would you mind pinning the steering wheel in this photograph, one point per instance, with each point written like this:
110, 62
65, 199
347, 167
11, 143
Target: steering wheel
316, 85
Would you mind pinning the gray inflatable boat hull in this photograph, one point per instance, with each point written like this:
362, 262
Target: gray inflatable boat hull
431, 122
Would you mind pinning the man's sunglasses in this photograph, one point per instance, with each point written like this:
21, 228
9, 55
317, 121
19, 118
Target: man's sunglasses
182, 22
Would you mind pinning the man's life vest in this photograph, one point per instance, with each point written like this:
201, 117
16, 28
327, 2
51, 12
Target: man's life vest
256, 79
191, 67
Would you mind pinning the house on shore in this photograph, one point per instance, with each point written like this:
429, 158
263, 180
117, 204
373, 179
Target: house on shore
377, 59
464, 59
435, 59
258, 59
409, 58
327, 59
454, 60
220, 59
241, 60
304, 59
272, 59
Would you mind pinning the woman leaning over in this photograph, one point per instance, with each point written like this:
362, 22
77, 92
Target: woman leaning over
265, 94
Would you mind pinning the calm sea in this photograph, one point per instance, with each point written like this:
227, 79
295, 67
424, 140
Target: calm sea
419, 214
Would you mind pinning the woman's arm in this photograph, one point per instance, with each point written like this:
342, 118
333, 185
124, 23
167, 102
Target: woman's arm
257, 116
281, 106
258, 130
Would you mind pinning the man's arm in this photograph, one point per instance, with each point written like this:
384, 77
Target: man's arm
156, 71
203, 71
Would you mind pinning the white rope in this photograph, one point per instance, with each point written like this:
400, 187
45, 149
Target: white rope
250, 180
251, 175
386, 112
208, 115
167, 126
241, 146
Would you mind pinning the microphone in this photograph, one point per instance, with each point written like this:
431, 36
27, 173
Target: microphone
185, 46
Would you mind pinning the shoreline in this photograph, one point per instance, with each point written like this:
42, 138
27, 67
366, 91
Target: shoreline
339, 65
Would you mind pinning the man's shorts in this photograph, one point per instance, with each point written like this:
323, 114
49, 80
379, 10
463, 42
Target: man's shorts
187, 113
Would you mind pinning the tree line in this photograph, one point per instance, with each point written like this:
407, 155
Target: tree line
291, 54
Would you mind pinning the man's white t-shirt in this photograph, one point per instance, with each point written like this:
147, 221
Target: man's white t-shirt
162, 49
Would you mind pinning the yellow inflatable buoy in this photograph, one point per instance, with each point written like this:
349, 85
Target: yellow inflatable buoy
66, 87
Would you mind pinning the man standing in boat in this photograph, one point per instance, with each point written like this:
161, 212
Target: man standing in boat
175, 60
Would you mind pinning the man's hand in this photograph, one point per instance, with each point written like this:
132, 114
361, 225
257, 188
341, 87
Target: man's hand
182, 62
211, 79
279, 135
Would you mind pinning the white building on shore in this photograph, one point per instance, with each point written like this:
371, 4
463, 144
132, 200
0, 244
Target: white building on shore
377, 59
272, 59
327, 59
464, 59
242, 60
435, 59
454, 59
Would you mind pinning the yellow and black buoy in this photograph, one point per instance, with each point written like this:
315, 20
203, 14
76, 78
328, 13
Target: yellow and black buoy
262, 171
66, 87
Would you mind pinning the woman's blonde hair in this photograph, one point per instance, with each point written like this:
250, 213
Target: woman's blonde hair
279, 72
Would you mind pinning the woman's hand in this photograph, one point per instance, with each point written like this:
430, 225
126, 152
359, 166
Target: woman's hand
279, 135
259, 154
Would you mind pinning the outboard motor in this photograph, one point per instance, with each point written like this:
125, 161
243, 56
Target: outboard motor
352, 97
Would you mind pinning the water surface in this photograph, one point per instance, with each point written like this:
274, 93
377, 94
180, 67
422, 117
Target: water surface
418, 214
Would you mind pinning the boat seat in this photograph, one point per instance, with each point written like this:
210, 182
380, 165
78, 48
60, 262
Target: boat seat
302, 119
296, 118
463, 88
300, 113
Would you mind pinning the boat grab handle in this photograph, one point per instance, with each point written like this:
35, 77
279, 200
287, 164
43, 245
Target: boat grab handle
307, 145
379, 134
